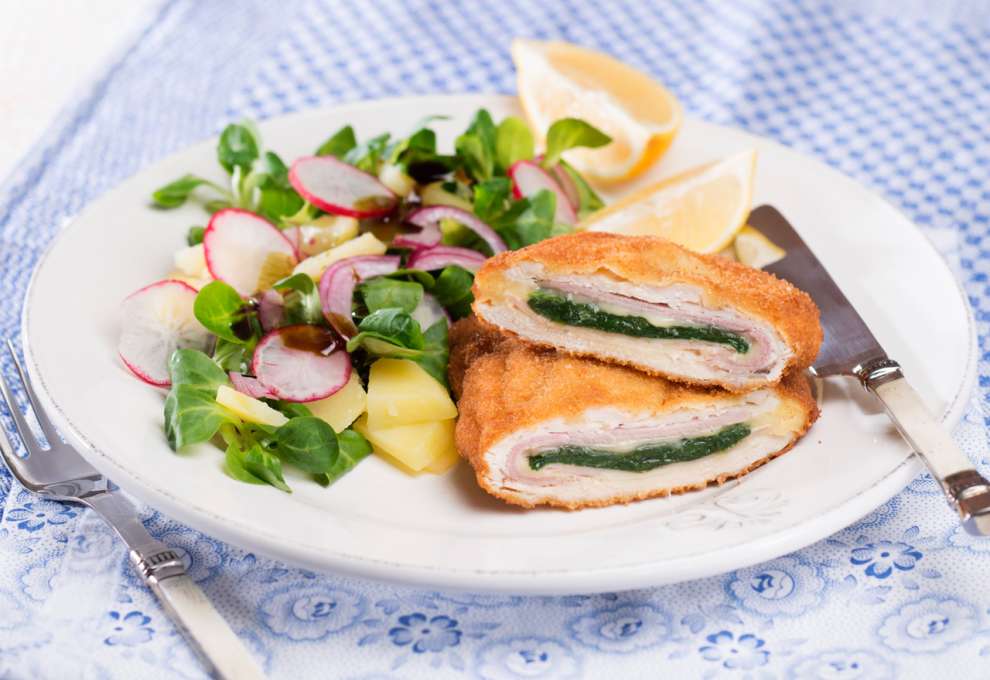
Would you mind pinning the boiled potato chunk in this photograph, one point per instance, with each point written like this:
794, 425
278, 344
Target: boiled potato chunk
365, 244
343, 406
415, 446
326, 232
249, 409
444, 462
402, 393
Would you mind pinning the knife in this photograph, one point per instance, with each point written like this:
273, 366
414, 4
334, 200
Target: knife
849, 349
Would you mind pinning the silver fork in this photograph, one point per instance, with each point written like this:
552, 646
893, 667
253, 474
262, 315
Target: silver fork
60, 473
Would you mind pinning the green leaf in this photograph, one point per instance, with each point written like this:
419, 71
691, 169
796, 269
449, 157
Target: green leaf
435, 355
453, 286
217, 205
588, 200
237, 147
381, 293
528, 221
432, 354
232, 356
491, 197
192, 415
368, 155
308, 443
193, 368
417, 156
176, 193
568, 133
275, 203
301, 300
222, 312
352, 449
265, 466
342, 141
513, 142
195, 235
476, 147
290, 409
391, 325
234, 466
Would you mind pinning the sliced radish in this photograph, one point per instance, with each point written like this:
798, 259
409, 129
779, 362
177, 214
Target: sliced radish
528, 178
270, 305
429, 311
339, 280
301, 363
339, 188
566, 183
237, 243
249, 386
158, 319
429, 218
438, 257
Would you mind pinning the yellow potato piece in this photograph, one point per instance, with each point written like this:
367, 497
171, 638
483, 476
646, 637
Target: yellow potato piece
343, 406
249, 409
365, 244
435, 194
191, 262
415, 446
325, 232
402, 393
445, 461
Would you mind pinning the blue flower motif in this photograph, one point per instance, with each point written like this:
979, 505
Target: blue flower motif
622, 629
883, 557
129, 629
745, 652
842, 664
526, 657
426, 635
788, 586
203, 557
931, 624
35, 514
310, 610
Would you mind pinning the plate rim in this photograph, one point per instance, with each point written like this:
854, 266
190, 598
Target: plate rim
565, 581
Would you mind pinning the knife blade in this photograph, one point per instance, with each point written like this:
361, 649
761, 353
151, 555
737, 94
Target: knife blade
850, 349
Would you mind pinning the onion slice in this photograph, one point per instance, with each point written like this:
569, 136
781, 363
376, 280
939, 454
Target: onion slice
301, 363
249, 386
339, 280
270, 306
428, 219
438, 257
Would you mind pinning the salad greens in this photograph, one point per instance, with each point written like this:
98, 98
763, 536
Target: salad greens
402, 314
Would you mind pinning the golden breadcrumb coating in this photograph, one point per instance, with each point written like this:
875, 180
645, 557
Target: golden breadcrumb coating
513, 386
656, 261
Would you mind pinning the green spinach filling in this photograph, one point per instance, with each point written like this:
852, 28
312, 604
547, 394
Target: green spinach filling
644, 457
563, 310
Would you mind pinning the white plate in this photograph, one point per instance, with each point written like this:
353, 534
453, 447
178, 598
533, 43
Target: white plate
444, 531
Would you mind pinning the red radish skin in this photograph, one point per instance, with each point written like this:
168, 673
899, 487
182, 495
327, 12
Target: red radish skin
567, 185
236, 243
438, 257
528, 178
158, 319
341, 189
429, 218
339, 280
252, 387
301, 363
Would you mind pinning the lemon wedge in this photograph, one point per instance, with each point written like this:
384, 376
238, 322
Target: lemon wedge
756, 250
559, 80
700, 209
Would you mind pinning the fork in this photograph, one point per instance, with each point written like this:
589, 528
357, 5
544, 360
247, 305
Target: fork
61, 474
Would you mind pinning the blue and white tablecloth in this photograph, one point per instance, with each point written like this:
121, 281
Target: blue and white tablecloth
895, 97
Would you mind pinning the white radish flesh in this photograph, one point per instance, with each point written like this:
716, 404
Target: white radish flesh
301, 363
237, 243
339, 188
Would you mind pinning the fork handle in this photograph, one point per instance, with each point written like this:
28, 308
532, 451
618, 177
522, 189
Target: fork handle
163, 570
967, 491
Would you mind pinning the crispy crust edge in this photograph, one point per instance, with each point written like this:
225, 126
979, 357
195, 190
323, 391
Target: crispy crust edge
470, 433
651, 259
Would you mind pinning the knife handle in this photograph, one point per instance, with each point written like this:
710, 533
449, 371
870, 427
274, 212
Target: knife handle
163, 570
967, 490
